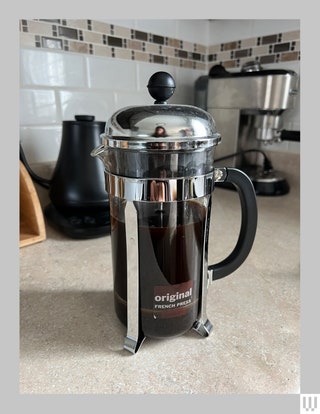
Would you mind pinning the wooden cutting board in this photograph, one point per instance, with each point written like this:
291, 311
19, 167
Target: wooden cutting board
32, 226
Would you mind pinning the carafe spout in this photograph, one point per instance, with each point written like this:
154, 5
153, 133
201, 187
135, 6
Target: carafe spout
98, 152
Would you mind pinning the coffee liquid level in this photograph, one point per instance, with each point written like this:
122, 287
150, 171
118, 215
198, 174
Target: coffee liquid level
170, 265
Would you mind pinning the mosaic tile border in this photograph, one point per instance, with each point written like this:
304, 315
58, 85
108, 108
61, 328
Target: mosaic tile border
104, 39
275, 48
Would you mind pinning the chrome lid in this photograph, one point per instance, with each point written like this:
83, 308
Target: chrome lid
161, 126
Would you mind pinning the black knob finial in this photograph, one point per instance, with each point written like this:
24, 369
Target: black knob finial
161, 87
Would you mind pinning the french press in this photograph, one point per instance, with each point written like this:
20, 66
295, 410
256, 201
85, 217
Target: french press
160, 176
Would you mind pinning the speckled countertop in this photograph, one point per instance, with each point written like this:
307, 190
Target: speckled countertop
71, 341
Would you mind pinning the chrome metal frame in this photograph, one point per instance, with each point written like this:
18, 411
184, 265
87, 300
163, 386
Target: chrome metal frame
178, 189
175, 189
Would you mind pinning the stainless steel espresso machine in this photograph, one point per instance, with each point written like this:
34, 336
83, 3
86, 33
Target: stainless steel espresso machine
247, 107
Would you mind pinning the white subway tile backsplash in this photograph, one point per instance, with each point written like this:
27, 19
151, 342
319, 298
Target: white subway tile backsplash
41, 144
99, 104
37, 106
42, 68
108, 73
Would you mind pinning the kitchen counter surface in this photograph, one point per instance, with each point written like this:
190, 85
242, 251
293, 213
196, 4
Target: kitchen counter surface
72, 343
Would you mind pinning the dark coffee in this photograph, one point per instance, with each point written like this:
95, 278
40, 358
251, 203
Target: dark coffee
171, 239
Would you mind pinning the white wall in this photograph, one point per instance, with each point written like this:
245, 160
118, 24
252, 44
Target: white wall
221, 31
196, 30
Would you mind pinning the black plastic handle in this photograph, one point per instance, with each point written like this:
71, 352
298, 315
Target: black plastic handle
249, 219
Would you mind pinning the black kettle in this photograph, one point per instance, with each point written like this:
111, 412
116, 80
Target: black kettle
79, 201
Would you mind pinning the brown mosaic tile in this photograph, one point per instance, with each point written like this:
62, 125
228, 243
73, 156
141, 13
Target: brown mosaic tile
173, 42
100, 27
242, 53
201, 65
229, 45
122, 53
222, 56
92, 37
68, 32
115, 41
202, 49
100, 50
268, 59
76, 23
120, 31
281, 47
135, 44
260, 50
294, 35
157, 59
40, 28
229, 64
245, 43
173, 61
196, 56
214, 49
187, 64
285, 57
152, 48
137, 34
158, 39
141, 56
168, 51
181, 53
27, 40
78, 47
269, 39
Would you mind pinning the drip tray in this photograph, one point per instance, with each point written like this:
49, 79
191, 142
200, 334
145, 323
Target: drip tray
80, 223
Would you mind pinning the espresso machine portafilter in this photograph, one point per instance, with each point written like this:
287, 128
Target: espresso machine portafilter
248, 107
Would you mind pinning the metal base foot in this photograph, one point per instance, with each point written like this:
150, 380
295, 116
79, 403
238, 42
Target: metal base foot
203, 328
133, 344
